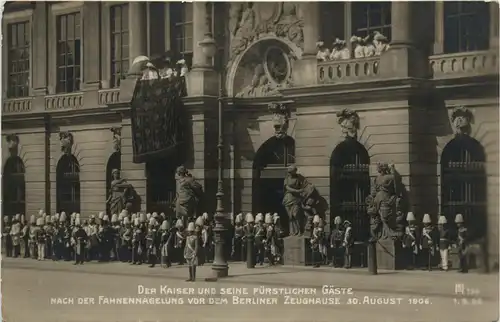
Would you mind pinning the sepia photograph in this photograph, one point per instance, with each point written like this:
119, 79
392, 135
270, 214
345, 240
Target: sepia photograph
315, 161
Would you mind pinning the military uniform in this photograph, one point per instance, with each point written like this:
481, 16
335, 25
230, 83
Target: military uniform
166, 237
115, 231
191, 252
237, 245
7, 240
93, 245
179, 241
207, 244
25, 237
462, 244
317, 242
137, 243
444, 242
15, 235
336, 246
33, 239
151, 242
40, 239
429, 242
79, 241
126, 241
348, 244
411, 242
260, 236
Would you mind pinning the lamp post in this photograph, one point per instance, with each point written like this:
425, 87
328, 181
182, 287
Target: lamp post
219, 266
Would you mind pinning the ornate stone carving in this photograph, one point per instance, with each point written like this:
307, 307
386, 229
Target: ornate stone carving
349, 122
66, 139
117, 138
461, 119
281, 116
12, 144
253, 20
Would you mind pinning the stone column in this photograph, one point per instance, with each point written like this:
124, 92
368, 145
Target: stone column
403, 59
200, 29
306, 69
438, 27
494, 26
40, 61
138, 38
91, 51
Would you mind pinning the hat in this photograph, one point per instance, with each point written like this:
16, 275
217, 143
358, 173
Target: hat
426, 219
152, 221
32, 219
320, 44
142, 217
23, 218
337, 220
62, 218
105, 218
164, 225
134, 216
114, 218
77, 215
56, 216
259, 217
379, 37
122, 214
148, 215
205, 216
6, 218
347, 223
126, 221
442, 220
355, 39
162, 215
292, 168
92, 216
39, 222
199, 221
276, 217
40, 212
136, 222
316, 219
239, 218
410, 216
181, 62
17, 217
101, 215
179, 224
268, 218
77, 222
249, 218
155, 215
459, 219
190, 226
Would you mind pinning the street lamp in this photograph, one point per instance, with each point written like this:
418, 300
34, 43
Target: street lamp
219, 266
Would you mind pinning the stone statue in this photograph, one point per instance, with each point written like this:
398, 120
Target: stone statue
188, 195
122, 194
12, 144
66, 139
299, 198
385, 203
117, 141
461, 119
380, 42
244, 29
349, 123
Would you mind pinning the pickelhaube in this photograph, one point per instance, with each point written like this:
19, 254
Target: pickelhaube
17, 217
442, 220
126, 221
268, 218
148, 215
410, 217
5, 219
57, 216
316, 219
459, 219
105, 218
337, 220
164, 225
142, 217
62, 218
190, 227
276, 217
259, 218
136, 222
239, 218
426, 219
199, 221
39, 222
32, 219
101, 215
179, 224
114, 218
155, 215
152, 221
249, 218
205, 216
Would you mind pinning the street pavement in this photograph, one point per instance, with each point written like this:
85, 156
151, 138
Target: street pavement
38, 291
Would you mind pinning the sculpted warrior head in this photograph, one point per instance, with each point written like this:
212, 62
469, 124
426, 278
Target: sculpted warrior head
349, 122
12, 143
66, 139
281, 116
461, 119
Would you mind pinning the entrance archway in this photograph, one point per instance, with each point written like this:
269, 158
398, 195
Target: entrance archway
68, 184
463, 184
349, 187
161, 186
114, 162
269, 167
13, 187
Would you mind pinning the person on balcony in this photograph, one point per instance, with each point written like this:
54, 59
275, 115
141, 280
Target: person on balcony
323, 52
380, 42
358, 48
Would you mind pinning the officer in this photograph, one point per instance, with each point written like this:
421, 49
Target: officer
26, 236
40, 239
191, 251
237, 251
462, 244
207, 243
137, 243
126, 240
429, 242
79, 240
348, 244
411, 241
15, 235
336, 238
317, 241
151, 242
179, 241
7, 240
270, 239
260, 236
248, 240
166, 244
444, 242
279, 235
115, 231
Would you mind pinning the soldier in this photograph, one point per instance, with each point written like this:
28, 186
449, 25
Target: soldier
444, 242
260, 236
151, 242
32, 238
280, 234
126, 241
40, 239
462, 244
66, 240
237, 251
429, 241
201, 232
51, 233
411, 241
207, 239
115, 230
25, 236
317, 241
348, 244
15, 235
137, 243
336, 238
166, 244
191, 252
248, 245
79, 240
7, 240
179, 240
93, 245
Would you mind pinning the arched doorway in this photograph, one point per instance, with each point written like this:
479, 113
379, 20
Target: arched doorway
349, 187
271, 161
13, 187
463, 184
114, 162
68, 184
161, 186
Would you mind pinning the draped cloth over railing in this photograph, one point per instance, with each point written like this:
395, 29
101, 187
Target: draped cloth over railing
158, 119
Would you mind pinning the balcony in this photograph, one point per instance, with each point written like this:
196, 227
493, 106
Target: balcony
70, 101
17, 105
108, 96
350, 70
478, 63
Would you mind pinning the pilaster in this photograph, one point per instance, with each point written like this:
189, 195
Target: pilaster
138, 30
91, 51
494, 25
40, 54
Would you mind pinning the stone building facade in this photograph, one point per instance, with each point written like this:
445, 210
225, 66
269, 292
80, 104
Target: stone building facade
428, 103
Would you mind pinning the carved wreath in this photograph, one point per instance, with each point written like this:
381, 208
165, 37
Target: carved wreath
349, 122
461, 119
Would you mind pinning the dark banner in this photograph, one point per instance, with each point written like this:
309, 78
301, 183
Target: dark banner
158, 119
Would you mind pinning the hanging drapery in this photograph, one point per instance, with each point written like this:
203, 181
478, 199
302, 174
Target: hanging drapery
158, 118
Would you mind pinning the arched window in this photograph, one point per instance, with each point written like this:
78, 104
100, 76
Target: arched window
13, 187
68, 184
161, 186
463, 184
350, 185
114, 162
466, 26
275, 153
368, 17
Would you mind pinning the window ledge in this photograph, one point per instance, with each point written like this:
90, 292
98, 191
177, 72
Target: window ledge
474, 63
